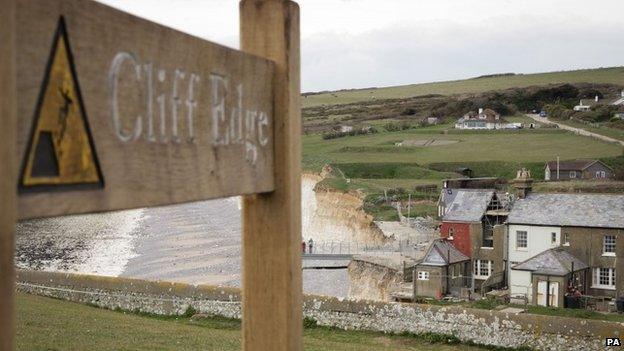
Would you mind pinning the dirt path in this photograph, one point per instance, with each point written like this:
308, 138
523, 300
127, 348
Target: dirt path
578, 131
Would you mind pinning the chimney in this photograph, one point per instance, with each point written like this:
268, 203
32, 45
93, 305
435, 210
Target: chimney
480, 110
523, 183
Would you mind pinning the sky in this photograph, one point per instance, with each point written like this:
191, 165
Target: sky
365, 43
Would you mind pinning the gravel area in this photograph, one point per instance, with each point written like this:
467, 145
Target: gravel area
196, 243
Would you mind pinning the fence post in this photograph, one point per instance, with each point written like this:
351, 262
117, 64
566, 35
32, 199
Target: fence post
8, 112
272, 283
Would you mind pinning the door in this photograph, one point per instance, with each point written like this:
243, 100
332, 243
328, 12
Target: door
541, 293
552, 296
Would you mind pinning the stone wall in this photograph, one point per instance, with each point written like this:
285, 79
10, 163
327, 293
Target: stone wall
479, 326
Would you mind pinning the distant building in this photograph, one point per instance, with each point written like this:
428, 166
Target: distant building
589, 227
484, 119
577, 169
619, 101
432, 120
582, 107
471, 221
442, 271
345, 129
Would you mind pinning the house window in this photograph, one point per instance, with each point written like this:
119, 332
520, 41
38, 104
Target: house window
601, 174
604, 278
451, 233
521, 239
482, 268
608, 247
572, 174
423, 275
566, 239
553, 238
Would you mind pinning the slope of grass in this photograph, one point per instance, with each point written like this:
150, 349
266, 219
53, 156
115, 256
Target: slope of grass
613, 75
47, 324
524, 146
601, 129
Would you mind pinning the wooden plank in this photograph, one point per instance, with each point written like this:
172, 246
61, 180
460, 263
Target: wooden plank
118, 112
272, 284
7, 171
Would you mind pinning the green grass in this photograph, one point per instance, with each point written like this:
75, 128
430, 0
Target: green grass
47, 324
586, 186
614, 75
596, 128
526, 146
492, 304
390, 170
575, 313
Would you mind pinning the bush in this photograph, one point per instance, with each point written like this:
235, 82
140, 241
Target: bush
337, 134
190, 312
558, 111
408, 112
309, 323
397, 126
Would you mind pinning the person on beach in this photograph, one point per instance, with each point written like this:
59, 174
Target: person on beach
310, 244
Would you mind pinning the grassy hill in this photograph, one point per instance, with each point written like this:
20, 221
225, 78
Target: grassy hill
612, 75
374, 165
47, 324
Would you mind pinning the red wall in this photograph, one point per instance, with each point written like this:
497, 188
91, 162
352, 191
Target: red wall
461, 236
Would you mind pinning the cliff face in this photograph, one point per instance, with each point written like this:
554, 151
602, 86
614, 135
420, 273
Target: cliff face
372, 281
329, 215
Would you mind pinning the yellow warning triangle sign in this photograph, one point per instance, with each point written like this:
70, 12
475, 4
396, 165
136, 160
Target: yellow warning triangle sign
61, 152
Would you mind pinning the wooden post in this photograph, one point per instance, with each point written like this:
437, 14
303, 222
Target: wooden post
8, 107
272, 284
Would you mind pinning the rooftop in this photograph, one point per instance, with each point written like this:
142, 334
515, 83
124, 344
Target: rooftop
571, 210
574, 165
442, 253
555, 261
465, 205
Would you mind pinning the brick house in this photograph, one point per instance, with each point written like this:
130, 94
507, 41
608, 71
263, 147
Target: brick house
471, 221
577, 169
590, 227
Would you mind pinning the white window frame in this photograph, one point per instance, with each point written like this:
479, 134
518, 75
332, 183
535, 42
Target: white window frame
479, 266
526, 240
572, 174
601, 174
423, 275
611, 245
610, 275
553, 238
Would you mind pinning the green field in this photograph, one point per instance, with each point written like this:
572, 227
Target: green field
597, 128
47, 324
518, 146
613, 75
373, 164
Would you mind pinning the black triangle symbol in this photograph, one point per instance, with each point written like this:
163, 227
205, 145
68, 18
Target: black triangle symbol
45, 163
61, 153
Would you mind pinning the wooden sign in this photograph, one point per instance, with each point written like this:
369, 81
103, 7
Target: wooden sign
118, 112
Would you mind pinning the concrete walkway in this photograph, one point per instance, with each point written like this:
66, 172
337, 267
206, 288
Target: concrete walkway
578, 131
